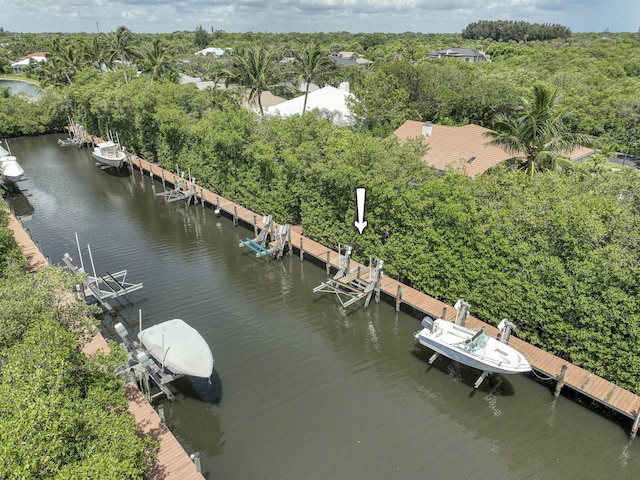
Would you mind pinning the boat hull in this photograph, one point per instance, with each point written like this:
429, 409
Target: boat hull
454, 341
10, 169
179, 347
115, 162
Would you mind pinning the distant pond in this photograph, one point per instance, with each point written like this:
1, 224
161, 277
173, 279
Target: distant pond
17, 86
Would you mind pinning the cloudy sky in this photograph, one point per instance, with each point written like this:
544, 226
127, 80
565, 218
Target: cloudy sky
393, 16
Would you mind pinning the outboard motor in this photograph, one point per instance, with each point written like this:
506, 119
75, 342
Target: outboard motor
427, 322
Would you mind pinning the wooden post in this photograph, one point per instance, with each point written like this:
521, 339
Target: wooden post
255, 226
444, 312
217, 209
634, 429
398, 298
196, 460
328, 262
358, 273
235, 216
150, 170
202, 197
162, 175
161, 413
560, 383
301, 249
289, 243
378, 285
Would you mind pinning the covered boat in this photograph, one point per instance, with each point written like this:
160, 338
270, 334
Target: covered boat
109, 153
179, 347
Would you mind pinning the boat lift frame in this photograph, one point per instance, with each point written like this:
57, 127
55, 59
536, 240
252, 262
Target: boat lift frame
101, 287
351, 286
184, 190
260, 246
141, 366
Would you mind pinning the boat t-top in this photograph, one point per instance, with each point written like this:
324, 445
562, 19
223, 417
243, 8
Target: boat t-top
475, 348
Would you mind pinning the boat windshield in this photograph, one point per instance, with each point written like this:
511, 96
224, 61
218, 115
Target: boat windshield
477, 343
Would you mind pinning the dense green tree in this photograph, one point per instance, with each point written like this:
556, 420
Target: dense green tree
157, 61
201, 37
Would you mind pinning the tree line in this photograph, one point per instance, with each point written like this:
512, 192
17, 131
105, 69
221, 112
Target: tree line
510, 30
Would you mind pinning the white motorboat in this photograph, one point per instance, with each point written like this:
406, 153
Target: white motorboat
109, 153
474, 348
179, 348
10, 169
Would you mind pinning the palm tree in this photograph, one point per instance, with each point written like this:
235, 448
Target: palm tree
310, 64
252, 68
122, 47
96, 52
157, 60
538, 135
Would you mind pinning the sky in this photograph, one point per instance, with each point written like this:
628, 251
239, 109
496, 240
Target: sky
308, 16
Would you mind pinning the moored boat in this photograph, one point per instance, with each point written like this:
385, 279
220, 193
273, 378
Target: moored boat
179, 348
109, 153
10, 169
474, 348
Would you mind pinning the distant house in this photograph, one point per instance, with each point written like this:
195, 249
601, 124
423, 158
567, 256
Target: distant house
461, 149
216, 52
18, 66
331, 102
465, 54
349, 58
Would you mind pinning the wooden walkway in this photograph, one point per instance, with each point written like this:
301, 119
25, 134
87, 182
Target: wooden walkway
545, 365
171, 462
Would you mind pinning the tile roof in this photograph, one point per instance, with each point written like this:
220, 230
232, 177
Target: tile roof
453, 148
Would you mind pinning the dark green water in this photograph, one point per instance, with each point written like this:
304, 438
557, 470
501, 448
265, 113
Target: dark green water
308, 391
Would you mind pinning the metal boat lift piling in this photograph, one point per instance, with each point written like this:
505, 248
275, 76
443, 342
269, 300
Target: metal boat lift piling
101, 287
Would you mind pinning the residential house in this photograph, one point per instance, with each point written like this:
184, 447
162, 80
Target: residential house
331, 102
349, 58
216, 52
465, 54
18, 66
461, 149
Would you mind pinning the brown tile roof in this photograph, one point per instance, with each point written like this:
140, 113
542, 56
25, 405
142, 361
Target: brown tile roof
451, 148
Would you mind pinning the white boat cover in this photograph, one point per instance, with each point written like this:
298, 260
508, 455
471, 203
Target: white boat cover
180, 346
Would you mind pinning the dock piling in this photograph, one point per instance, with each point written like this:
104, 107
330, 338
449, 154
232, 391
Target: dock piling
560, 383
634, 429
398, 298
301, 249
328, 261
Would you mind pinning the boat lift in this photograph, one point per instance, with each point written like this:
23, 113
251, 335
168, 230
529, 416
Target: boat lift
260, 244
141, 366
184, 190
101, 287
351, 286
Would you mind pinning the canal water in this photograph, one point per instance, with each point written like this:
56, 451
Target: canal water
303, 388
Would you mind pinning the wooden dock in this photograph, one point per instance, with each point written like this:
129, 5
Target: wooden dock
545, 365
171, 462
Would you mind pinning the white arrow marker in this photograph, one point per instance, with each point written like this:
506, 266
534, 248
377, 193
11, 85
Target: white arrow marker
360, 223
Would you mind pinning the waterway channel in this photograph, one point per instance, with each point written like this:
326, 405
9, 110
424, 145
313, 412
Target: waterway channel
303, 389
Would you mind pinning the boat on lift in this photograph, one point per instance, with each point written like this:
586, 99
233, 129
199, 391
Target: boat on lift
10, 169
179, 348
109, 153
475, 348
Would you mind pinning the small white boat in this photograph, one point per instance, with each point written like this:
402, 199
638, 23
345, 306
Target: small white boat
109, 153
10, 169
179, 348
474, 348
